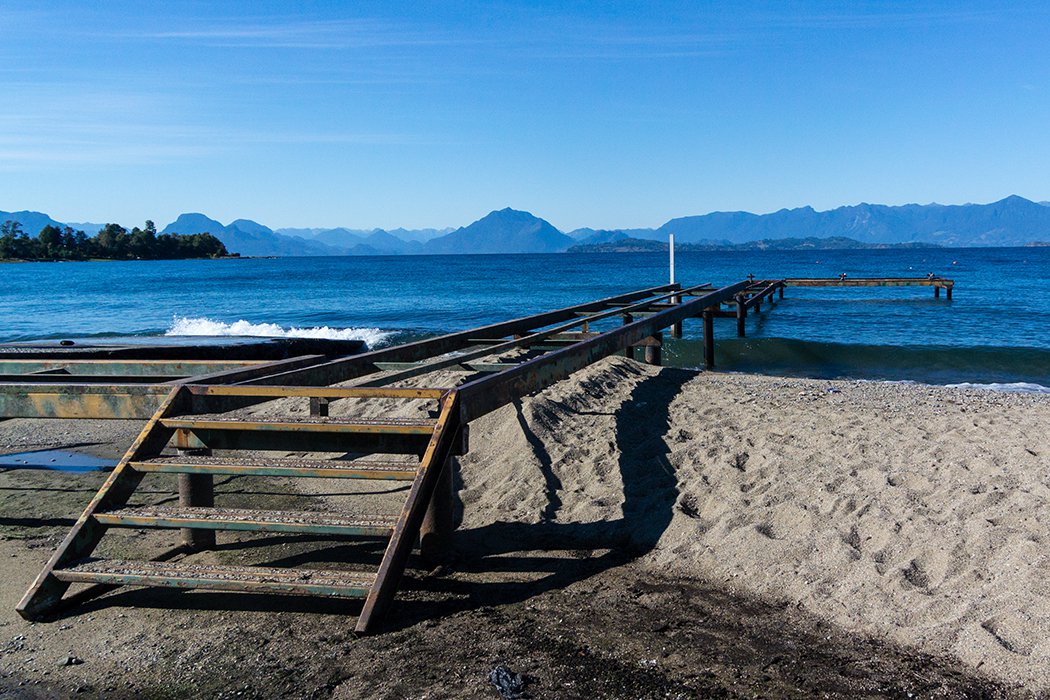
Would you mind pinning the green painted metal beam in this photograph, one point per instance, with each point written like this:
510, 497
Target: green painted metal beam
99, 401
245, 579
147, 368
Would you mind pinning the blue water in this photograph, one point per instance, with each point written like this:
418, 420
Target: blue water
58, 460
994, 330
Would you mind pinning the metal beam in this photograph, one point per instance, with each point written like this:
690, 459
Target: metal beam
348, 368
489, 393
539, 338
868, 282
101, 401
144, 368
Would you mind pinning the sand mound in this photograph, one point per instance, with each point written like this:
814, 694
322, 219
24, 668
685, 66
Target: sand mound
910, 512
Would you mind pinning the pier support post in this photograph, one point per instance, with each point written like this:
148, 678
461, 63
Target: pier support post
654, 350
628, 352
948, 292
741, 317
676, 328
780, 291
709, 339
197, 490
318, 407
435, 534
936, 292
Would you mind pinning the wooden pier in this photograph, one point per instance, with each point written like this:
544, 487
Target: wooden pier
193, 424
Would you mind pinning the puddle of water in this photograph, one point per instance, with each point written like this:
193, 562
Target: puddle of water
57, 460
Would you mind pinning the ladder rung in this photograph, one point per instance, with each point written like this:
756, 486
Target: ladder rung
338, 584
323, 425
464, 367
334, 469
311, 522
321, 392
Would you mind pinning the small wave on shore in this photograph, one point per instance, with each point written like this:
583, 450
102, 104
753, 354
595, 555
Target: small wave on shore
183, 326
1017, 369
1016, 387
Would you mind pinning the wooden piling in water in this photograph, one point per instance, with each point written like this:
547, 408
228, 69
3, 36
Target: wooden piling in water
741, 317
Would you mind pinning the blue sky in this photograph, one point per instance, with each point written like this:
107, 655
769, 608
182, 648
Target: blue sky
595, 114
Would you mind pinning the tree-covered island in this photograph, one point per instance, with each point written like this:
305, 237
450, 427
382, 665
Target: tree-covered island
113, 242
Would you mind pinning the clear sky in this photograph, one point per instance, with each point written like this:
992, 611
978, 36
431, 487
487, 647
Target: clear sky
603, 114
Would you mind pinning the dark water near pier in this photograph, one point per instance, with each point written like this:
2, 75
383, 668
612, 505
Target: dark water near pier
995, 330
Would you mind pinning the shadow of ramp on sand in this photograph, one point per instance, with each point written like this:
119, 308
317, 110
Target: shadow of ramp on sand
649, 496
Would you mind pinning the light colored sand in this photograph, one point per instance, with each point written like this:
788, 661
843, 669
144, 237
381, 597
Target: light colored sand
918, 514
915, 513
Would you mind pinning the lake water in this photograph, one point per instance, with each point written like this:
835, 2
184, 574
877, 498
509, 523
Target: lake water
995, 330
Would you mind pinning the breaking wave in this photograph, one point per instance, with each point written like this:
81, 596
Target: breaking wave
183, 326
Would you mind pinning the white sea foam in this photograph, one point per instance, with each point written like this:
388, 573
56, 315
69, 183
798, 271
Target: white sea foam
181, 325
1018, 387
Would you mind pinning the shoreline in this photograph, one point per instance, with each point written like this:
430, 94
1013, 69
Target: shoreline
905, 513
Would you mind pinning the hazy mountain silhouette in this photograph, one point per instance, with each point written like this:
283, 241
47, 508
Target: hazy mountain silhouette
248, 237
32, 221
503, 231
1010, 221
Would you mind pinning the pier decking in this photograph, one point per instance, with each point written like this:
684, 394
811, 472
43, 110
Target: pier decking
196, 414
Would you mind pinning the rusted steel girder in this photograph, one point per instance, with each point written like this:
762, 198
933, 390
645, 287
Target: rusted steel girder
355, 366
486, 394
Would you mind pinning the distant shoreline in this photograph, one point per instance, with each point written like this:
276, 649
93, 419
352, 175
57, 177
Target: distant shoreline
91, 260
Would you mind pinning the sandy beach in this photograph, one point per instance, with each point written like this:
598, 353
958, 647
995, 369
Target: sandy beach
685, 532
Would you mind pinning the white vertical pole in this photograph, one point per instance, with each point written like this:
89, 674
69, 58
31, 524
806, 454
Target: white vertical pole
676, 328
671, 248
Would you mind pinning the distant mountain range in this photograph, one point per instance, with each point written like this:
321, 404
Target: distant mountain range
1013, 221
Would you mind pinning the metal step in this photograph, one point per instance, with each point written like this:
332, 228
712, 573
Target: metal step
310, 522
335, 584
391, 436
305, 425
323, 392
333, 469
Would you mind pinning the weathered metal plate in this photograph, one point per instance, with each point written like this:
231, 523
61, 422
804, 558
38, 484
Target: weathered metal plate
302, 522
99, 401
182, 368
312, 582
329, 469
